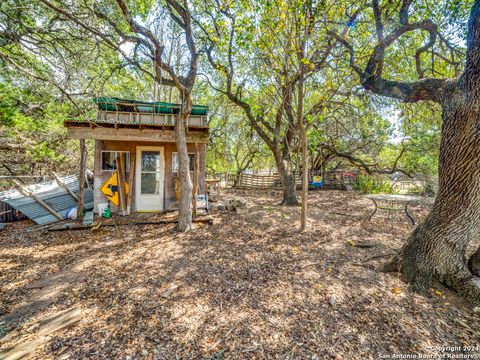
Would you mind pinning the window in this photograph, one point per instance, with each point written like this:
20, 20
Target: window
175, 161
109, 157
150, 172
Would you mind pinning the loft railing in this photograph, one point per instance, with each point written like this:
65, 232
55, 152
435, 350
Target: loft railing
146, 118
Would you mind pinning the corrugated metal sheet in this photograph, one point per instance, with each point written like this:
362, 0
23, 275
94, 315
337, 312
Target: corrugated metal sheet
52, 194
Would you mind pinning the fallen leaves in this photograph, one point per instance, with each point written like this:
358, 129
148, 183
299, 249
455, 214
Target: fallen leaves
168, 292
246, 287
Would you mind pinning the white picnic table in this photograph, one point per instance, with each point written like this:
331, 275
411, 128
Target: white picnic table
396, 203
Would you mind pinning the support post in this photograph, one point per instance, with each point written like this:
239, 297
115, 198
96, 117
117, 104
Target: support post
81, 179
121, 182
130, 183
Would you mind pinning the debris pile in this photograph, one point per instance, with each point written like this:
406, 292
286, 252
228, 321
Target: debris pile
49, 201
237, 204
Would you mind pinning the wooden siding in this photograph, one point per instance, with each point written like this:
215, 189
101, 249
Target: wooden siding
100, 177
129, 134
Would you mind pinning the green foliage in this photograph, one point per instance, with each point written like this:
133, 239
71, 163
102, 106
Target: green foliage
233, 145
268, 35
371, 184
32, 118
8, 108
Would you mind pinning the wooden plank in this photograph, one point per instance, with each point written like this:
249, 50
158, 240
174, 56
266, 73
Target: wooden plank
129, 134
60, 321
26, 192
74, 226
54, 323
130, 183
63, 185
121, 183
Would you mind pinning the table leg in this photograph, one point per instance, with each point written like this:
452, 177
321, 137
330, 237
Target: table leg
408, 215
374, 211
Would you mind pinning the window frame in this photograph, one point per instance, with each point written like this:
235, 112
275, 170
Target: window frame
176, 152
127, 160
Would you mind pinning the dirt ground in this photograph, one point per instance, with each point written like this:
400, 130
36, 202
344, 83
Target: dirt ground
248, 286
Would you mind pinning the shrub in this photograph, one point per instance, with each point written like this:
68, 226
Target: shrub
373, 184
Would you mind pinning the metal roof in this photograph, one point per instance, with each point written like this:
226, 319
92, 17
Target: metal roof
52, 194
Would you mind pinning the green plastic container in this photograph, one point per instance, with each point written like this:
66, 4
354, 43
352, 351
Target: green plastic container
106, 214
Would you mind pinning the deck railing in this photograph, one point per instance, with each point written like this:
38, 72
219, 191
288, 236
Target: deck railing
145, 118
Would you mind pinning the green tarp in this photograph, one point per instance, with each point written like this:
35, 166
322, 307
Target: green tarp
116, 104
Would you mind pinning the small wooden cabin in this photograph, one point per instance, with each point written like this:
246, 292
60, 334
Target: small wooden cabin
142, 133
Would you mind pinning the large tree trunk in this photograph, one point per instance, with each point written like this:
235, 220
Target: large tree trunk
287, 180
436, 250
184, 207
304, 146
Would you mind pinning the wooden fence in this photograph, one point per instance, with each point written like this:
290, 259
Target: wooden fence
332, 180
335, 179
248, 181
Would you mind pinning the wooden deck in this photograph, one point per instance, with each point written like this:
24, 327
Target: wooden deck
158, 132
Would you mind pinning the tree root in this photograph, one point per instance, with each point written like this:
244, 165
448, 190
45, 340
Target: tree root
393, 265
289, 202
474, 263
469, 288
421, 277
378, 256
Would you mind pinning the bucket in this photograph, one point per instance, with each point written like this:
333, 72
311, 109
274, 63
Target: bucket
101, 208
71, 214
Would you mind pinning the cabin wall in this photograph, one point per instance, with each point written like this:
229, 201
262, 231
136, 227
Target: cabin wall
101, 176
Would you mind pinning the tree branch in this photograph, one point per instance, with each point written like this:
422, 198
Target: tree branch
369, 168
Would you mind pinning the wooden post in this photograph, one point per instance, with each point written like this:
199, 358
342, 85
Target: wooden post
81, 179
64, 186
30, 194
195, 181
121, 182
130, 183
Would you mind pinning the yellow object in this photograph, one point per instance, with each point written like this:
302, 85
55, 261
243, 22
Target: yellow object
110, 188
438, 293
176, 182
317, 179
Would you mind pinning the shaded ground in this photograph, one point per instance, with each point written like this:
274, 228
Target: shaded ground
247, 287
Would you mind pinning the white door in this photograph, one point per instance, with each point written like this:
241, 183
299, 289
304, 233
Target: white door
150, 175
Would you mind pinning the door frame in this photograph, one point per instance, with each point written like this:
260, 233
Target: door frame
138, 174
